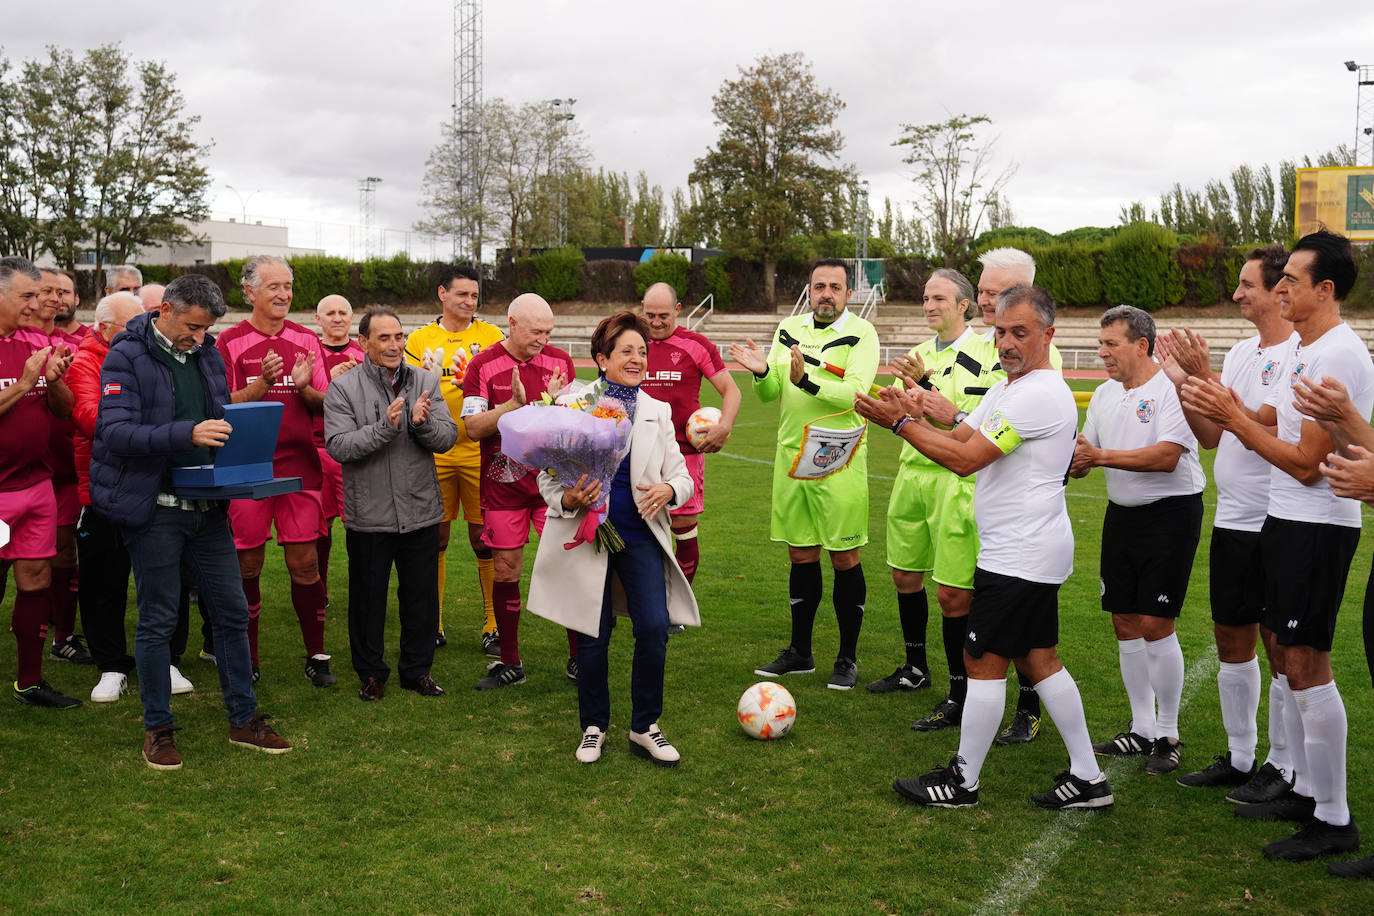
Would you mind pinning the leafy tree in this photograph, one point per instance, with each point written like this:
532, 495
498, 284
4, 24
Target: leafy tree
96, 152
770, 174
958, 191
527, 155
148, 179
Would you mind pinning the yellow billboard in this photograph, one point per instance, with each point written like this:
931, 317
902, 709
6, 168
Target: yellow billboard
1339, 199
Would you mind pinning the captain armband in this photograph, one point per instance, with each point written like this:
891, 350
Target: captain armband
1000, 431
474, 405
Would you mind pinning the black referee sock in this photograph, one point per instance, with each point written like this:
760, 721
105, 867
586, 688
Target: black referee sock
804, 590
1027, 700
849, 594
914, 613
955, 630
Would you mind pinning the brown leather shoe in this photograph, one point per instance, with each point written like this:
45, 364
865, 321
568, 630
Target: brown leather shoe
423, 685
371, 690
160, 748
258, 735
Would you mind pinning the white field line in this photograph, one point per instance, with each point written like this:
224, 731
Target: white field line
1040, 857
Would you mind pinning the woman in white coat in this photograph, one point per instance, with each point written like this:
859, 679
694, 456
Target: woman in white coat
583, 589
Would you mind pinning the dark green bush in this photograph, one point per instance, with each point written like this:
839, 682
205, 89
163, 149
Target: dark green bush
558, 273
607, 280
665, 267
1139, 267
1069, 272
316, 276
718, 283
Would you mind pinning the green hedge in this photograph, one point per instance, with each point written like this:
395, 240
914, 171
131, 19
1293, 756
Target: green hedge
718, 283
1069, 272
664, 267
1139, 266
558, 273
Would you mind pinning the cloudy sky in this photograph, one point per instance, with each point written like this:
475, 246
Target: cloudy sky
1100, 103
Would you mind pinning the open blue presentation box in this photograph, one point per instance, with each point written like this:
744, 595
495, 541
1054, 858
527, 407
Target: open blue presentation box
243, 465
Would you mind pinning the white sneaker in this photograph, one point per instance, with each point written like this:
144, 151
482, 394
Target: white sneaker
589, 751
111, 685
651, 745
179, 683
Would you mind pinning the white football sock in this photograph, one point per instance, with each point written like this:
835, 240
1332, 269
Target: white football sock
1238, 684
1278, 757
1297, 742
1059, 693
1324, 723
983, 708
1166, 680
1135, 674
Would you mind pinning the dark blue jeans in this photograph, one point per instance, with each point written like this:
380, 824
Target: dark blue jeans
640, 568
198, 543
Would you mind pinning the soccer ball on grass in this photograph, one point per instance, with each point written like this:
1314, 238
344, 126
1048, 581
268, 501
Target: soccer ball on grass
766, 711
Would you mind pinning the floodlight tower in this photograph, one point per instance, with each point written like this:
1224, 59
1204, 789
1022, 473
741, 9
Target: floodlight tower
367, 210
861, 223
467, 125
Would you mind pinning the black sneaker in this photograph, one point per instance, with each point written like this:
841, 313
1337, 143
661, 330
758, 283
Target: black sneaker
1315, 838
491, 645
43, 694
1355, 868
844, 675
1071, 792
502, 676
1287, 807
1265, 786
906, 677
440, 640
1218, 773
257, 674
1125, 744
1022, 730
946, 714
570, 669
789, 661
676, 628
317, 669
942, 787
1163, 756
72, 649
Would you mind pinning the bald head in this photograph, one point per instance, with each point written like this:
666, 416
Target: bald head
531, 323
660, 308
335, 317
151, 296
115, 311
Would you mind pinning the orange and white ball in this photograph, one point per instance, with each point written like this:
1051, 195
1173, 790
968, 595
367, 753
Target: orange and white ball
767, 711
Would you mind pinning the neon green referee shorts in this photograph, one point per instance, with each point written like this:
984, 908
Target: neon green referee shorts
930, 526
831, 512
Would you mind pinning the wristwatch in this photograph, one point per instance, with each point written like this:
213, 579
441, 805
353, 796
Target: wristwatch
960, 416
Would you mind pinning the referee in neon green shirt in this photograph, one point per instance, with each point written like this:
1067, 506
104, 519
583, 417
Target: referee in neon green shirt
815, 366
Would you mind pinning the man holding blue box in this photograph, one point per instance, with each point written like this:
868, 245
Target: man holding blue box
162, 394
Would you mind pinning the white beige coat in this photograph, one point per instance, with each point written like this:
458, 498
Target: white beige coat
567, 585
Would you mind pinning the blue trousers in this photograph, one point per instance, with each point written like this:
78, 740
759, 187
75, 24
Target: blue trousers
200, 544
640, 568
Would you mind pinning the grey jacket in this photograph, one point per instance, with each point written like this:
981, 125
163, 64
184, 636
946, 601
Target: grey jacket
389, 483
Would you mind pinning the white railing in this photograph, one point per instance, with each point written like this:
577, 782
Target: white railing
709, 304
862, 302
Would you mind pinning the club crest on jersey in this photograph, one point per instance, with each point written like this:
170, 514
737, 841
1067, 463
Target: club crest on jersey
829, 453
1267, 373
1297, 374
675, 357
110, 388
1145, 410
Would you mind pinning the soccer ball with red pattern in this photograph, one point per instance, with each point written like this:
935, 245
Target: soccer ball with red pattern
767, 711
700, 423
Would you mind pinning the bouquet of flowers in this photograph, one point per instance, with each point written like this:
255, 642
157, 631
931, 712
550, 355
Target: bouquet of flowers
581, 431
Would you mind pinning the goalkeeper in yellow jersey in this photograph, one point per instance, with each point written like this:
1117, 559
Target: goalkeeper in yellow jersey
444, 347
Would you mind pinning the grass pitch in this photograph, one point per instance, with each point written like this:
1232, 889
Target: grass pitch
473, 803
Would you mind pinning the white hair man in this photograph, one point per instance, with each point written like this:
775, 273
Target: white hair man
271, 358
123, 278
